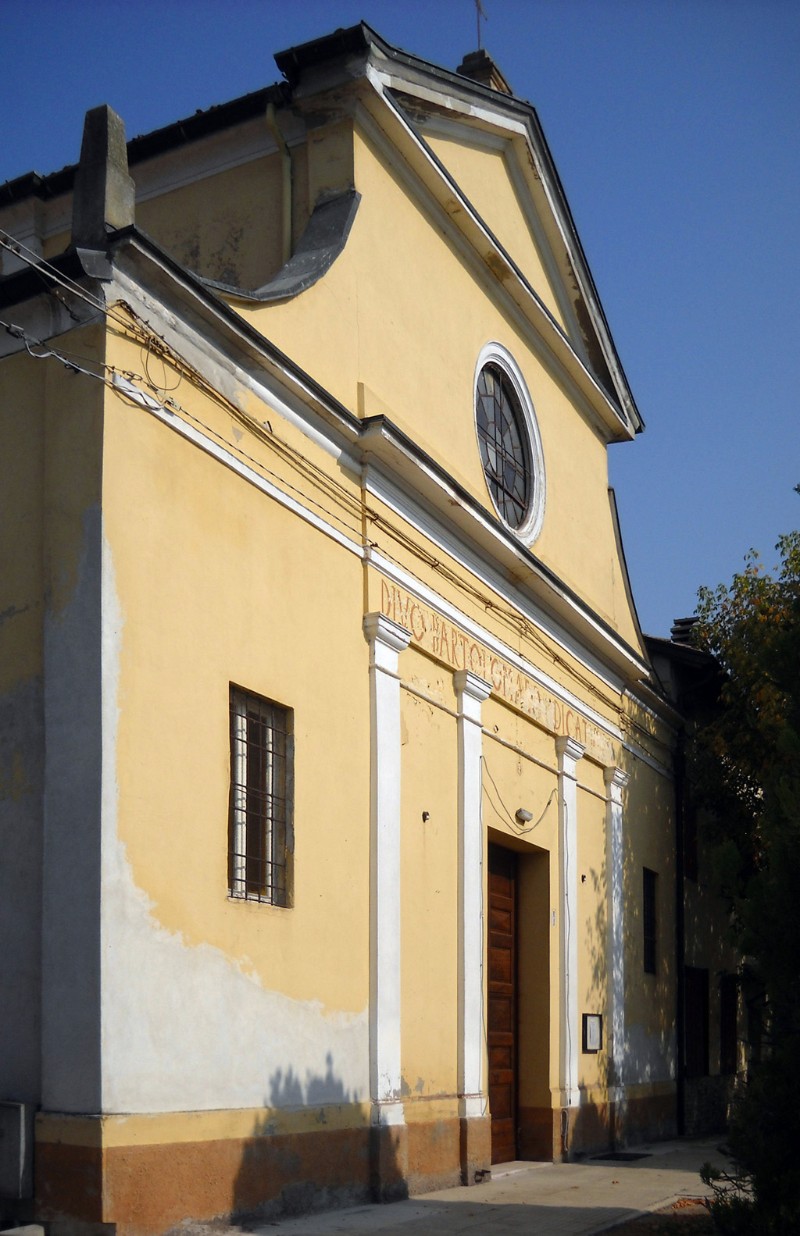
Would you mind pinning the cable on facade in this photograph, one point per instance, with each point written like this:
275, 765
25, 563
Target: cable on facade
153, 343
519, 829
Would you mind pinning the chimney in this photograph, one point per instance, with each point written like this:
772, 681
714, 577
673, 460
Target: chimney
103, 197
681, 631
481, 68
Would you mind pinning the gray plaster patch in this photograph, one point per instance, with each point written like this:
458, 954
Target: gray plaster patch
21, 778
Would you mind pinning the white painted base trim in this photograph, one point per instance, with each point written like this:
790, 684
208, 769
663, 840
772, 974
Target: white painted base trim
387, 1115
472, 1106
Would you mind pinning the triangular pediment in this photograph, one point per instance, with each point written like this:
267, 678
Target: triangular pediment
487, 168
491, 170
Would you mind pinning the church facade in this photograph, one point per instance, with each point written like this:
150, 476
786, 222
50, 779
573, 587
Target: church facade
339, 788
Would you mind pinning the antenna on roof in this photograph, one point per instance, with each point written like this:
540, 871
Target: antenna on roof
480, 12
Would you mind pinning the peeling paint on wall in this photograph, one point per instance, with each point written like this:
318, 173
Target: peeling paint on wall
183, 1026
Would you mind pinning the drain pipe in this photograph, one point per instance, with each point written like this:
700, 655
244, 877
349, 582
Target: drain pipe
286, 192
680, 930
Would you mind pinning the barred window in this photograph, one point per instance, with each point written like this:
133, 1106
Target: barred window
649, 920
509, 442
260, 819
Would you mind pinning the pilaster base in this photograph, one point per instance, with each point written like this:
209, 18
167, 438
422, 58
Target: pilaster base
388, 1162
476, 1149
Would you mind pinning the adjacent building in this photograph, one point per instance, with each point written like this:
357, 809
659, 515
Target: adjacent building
339, 789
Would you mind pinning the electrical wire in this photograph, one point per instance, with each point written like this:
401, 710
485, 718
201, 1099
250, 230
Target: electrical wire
66, 359
125, 317
46, 270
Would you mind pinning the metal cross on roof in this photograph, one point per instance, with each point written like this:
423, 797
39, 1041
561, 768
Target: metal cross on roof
480, 12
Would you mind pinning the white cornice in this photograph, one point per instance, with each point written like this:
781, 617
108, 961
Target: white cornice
640, 754
406, 481
208, 156
578, 394
460, 131
221, 345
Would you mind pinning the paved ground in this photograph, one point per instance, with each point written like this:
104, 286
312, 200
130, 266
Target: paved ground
538, 1199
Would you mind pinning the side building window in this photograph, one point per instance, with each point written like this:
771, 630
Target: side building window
728, 1010
690, 842
649, 919
260, 833
696, 1016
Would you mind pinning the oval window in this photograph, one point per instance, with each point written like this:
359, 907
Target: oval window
509, 442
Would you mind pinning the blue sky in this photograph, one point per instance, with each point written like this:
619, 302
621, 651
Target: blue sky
674, 125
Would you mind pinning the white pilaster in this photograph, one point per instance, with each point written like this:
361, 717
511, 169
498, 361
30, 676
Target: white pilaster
471, 691
615, 780
569, 752
386, 641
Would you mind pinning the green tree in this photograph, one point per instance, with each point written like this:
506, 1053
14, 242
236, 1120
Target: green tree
747, 773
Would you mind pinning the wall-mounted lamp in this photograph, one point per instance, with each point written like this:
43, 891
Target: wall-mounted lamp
426, 815
523, 816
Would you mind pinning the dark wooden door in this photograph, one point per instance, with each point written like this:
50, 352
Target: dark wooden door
502, 1019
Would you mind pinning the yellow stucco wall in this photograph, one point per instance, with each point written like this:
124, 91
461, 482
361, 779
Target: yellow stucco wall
650, 842
368, 331
52, 430
428, 879
217, 560
218, 226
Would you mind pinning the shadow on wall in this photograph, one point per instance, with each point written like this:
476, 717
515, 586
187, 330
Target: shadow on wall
650, 1051
287, 1090
647, 1056
311, 1149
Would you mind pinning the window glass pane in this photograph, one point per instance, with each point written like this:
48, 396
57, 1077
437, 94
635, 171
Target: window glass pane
504, 452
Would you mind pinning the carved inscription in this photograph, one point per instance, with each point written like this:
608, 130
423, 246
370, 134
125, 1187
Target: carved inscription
446, 642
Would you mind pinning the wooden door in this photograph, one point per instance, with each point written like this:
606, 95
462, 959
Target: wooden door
502, 1019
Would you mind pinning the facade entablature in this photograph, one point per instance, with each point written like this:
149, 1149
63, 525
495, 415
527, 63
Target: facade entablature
398, 458
446, 635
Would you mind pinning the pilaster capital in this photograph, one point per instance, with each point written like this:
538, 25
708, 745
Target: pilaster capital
615, 780
569, 751
380, 630
470, 686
